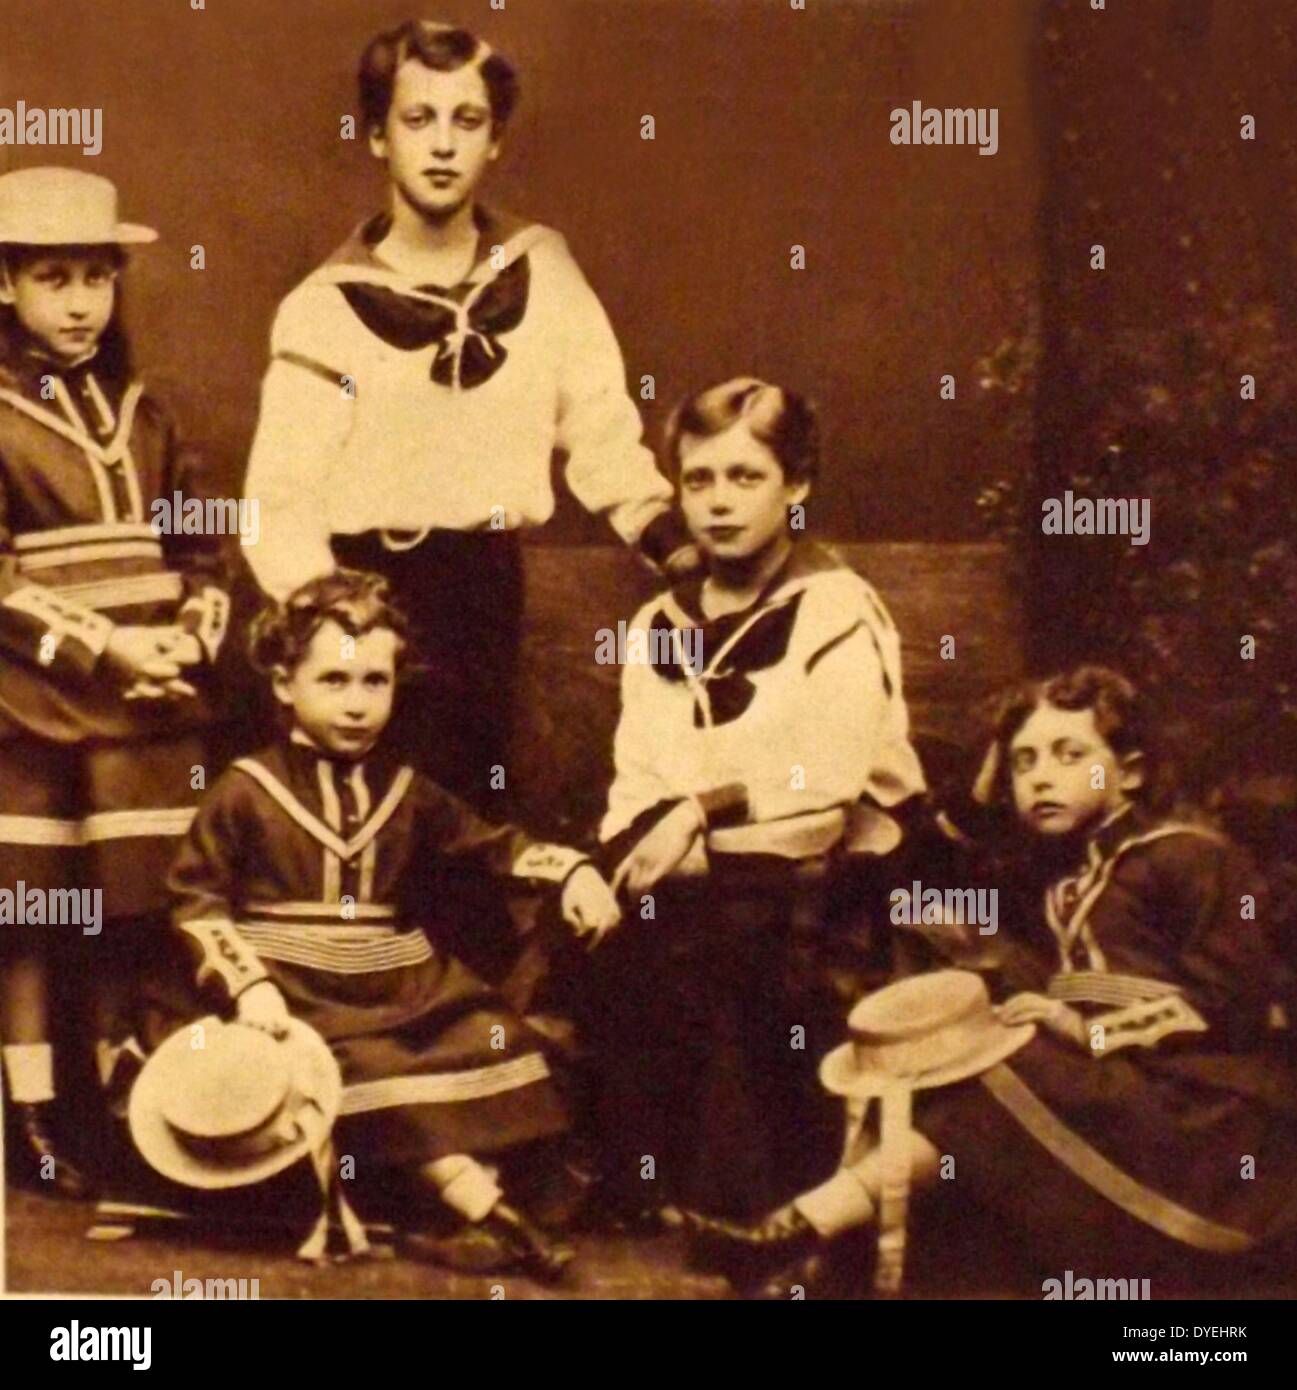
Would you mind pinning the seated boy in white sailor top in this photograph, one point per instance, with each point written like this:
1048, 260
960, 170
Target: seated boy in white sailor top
295, 888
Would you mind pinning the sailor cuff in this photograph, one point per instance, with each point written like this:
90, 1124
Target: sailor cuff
207, 616
225, 955
549, 863
726, 805
73, 635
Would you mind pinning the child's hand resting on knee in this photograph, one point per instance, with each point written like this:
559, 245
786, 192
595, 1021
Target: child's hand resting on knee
1061, 1019
262, 1006
589, 906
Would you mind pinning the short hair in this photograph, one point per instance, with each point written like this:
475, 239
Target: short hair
357, 600
15, 256
1117, 706
784, 421
442, 47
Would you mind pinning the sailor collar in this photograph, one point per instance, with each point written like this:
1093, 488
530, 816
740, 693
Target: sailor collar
307, 820
742, 643
67, 421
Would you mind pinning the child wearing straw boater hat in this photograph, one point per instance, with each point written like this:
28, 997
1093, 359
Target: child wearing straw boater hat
299, 892
107, 631
1148, 1115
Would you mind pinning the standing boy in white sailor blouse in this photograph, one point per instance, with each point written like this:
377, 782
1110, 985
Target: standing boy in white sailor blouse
419, 383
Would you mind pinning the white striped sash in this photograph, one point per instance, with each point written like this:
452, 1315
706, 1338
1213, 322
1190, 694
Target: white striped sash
164, 586
441, 1088
103, 825
341, 949
1102, 987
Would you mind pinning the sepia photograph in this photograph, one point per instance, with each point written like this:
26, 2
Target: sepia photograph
648, 652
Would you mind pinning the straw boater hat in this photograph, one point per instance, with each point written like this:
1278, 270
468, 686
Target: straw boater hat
929, 1030
238, 1109
64, 207
925, 1031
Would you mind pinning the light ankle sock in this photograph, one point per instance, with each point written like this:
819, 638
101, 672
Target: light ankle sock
30, 1069
465, 1185
837, 1205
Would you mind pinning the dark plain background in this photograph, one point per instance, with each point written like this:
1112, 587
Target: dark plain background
222, 127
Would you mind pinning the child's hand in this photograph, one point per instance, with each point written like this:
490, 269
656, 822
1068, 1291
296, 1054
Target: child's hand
660, 851
262, 1006
180, 646
589, 905
175, 688
1061, 1019
135, 652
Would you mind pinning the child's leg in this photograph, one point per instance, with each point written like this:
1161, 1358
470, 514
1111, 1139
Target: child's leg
848, 1199
471, 1189
24, 1026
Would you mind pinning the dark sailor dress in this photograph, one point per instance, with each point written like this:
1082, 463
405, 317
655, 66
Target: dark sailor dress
1176, 1128
306, 871
95, 790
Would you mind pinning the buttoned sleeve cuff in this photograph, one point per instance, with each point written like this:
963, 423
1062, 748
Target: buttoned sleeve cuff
65, 635
207, 616
226, 959
547, 863
725, 805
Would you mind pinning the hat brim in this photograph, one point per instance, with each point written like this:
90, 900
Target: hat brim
840, 1074
123, 234
315, 1075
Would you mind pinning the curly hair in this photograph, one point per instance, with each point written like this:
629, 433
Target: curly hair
782, 420
357, 600
442, 47
1117, 706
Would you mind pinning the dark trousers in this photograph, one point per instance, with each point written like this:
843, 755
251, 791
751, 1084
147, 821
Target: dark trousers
705, 1027
463, 593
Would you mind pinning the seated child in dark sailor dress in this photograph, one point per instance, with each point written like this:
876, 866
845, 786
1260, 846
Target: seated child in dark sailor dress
1150, 1116
295, 887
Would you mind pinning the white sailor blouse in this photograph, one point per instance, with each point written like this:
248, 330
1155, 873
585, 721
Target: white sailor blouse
794, 706
394, 406
83, 457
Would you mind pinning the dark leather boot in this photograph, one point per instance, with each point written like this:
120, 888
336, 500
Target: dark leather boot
39, 1146
748, 1253
538, 1255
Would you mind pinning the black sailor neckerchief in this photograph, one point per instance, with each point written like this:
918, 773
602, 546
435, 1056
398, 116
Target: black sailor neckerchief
464, 323
742, 643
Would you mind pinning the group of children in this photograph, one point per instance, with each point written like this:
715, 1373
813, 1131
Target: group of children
298, 881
